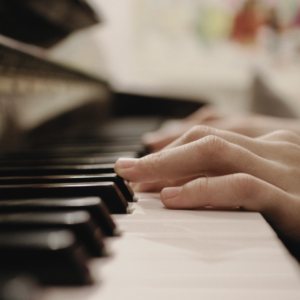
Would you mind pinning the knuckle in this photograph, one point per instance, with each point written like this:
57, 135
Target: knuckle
292, 148
293, 172
284, 135
197, 132
211, 145
196, 189
206, 130
157, 158
150, 162
244, 185
253, 194
202, 185
285, 152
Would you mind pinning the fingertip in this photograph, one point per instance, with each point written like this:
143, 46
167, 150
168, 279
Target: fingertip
125, 163
170, 196
123, 166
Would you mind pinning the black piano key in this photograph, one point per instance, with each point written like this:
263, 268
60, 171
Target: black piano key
18, 287
110, 177
87, 148
56, 170
90, 139
79, 222
107, 191
53, 257
41, 160
93, 205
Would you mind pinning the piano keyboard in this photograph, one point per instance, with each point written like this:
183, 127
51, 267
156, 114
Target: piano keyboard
177, 254
72, 229
52, 223
52, 227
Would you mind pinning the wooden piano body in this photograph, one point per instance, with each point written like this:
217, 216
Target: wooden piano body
161, 254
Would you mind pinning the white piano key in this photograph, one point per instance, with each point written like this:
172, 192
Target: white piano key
208, 255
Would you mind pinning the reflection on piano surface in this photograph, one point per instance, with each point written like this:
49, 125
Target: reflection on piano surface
70, 228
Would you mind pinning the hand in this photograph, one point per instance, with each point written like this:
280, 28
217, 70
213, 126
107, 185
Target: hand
252, 125
222, 169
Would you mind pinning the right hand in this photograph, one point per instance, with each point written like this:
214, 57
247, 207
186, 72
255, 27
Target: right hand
222, 169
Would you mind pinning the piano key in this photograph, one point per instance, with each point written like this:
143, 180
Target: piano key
70, 139
79, 222
87, 148
53, 257
107, 191
56, 169
18, 287
93, 205
36, 159
99, 146
124, 143
20, 154
110, 177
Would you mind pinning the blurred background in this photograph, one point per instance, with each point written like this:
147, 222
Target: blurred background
241, 55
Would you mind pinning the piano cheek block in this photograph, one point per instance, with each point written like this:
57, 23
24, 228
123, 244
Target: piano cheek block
53, 257
107, 191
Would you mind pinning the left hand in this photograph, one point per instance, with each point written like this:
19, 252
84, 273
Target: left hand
210, 167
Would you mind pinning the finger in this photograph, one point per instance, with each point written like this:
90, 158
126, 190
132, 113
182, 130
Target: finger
159, 139
259, 147
234, 190
281, 135
153, 187
204, 114
159, 185
168, 133
238, 190
209, 156
272, 146
248, 125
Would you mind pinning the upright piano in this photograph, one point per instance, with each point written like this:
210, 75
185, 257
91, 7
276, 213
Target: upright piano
72, 229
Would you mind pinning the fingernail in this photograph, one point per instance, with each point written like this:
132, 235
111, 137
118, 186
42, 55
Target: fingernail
133, 184
171, 192
135, 187
125, 163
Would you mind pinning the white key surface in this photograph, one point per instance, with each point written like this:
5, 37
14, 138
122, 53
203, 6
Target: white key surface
187, 254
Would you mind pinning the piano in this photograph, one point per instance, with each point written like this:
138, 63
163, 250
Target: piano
72, 229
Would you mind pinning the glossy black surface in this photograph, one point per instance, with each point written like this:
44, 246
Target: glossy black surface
94, 205
14, 286
53, 257
110, 177
79, 222
56, 170
33, 21
107, 191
